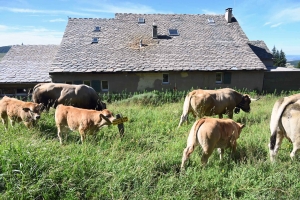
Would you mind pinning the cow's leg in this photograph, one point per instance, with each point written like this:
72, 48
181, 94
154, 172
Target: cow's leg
279, 138
5, 122
220, 116
207, 151
82, 134
230, 114
296, 147
12, 122
60, 132
186, 154
221, 152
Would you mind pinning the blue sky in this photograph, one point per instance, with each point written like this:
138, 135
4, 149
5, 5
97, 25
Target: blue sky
277, 22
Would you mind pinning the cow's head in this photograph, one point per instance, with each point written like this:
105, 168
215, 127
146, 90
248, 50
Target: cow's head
106, 118
244, 104
32, 111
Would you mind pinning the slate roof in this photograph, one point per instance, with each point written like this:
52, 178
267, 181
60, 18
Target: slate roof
260, 48
27, 63
200, 46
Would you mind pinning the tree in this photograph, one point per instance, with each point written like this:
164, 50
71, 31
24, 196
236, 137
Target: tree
279, 58
298, 66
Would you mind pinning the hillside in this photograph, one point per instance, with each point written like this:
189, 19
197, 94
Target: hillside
294, 62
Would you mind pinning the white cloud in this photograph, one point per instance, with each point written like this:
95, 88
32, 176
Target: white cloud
267, 23
124, 8
29, 35
288, 15
276, 25
209, 12
51, 12
57, 20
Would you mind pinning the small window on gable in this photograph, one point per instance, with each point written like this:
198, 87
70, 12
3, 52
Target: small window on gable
104, 86
95, 40
173, 32
211, 21
97, 28
87, 83
219, 77
141, 20
165, 78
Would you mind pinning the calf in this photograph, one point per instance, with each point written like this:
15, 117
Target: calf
84, 120
212, 133
17, 110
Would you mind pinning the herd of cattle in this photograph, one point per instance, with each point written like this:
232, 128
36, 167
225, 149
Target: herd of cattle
79, 108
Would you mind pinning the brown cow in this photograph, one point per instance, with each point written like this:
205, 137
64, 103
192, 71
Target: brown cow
212, 133
17, 110
214, 102
81, 96
284, 123
84, 120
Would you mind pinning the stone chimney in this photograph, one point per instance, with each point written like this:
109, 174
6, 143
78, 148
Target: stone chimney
228, 15
154, 30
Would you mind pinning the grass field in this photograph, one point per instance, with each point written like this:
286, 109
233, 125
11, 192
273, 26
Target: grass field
145, 163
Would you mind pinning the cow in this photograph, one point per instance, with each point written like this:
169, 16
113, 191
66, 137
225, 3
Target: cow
214, 102
212, 133
17, 110
85, 121
81, 96
285, 122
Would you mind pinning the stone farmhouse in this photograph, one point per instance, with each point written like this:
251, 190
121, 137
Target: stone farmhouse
136, 52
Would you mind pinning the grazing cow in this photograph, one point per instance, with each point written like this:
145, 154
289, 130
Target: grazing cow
81, 96
84, 120
212, 133
285, 122
17, 110
214, 102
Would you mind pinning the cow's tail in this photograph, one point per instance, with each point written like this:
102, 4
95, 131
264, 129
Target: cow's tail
186, 108
277, 111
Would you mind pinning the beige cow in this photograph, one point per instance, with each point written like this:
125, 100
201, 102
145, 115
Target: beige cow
17, 110
285, 122
84, 120
214, 102
212, 133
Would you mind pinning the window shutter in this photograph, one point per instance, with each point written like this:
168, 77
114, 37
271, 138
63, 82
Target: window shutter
96, 85
227, 77
78, 82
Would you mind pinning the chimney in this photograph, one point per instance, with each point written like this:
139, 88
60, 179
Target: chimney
228, 15
154, 30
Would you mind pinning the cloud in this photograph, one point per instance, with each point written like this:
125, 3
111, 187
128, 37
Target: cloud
267, 23
275, 25
29, 35
51, 12
57, 20
124, 8
288, 14
209, 12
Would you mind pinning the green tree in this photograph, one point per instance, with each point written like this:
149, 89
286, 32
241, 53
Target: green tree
298, 66
279, 58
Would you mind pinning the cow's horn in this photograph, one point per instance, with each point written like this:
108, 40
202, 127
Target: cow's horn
254, 99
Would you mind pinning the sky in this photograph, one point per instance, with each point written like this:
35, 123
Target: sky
276, 22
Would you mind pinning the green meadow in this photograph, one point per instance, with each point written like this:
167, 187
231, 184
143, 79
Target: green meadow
145, 163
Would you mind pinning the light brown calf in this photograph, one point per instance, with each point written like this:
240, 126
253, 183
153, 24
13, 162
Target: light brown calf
212, 133
84, 120
17, 110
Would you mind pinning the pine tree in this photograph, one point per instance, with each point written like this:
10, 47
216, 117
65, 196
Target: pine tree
298, 66
279, 58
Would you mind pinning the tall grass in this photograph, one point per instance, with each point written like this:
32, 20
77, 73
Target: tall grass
145, 163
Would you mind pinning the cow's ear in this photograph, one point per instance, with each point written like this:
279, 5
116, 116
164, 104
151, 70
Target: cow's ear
105, 118
26, 109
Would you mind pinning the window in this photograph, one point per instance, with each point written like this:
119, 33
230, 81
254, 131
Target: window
95, 40
141, 20
211, 21
97, 28
219, 77
165, 78
173, 32
68, 82
104, 85
87, 83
